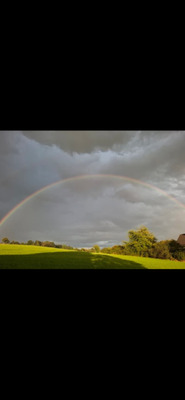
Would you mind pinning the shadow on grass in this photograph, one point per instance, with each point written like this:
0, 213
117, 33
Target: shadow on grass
67, 260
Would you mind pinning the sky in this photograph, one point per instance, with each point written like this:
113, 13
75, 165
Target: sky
98, 208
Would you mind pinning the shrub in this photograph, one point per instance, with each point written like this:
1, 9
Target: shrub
48, 244
177, 251
96, 248
160, 250
5, 241
38, 243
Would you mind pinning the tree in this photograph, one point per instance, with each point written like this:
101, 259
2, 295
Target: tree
96, 248
38, 243
140, 242
106, 250
30, 243
5, 240
161, 250
177, 250
118, 250
48, 244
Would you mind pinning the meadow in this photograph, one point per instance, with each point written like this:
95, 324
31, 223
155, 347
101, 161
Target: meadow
33, 257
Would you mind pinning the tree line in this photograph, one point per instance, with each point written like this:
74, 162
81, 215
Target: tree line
141, 242
38, 243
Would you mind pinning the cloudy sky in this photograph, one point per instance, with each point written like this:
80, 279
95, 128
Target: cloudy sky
93, 210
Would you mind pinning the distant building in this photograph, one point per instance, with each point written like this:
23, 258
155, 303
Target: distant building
181, 239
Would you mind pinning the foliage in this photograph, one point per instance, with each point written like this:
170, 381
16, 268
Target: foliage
177, 251
96, 248
30, 243
48, 244
120, 250
160, 250
5, 240
168, 249
38, 257
38, 243
140, 242
106, 250
66, 247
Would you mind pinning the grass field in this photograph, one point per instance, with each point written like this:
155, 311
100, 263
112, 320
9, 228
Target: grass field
33, 257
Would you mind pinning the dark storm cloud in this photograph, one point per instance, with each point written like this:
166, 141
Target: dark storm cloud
91, 211
81, 141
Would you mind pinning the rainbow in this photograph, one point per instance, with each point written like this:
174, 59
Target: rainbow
76, 178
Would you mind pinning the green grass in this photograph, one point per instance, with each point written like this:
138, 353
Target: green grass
33, 257
153, 263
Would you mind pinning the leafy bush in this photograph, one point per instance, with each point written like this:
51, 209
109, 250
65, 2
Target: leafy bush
48, 244
5, 241
177, 251
106, 250
120, 250
160, 250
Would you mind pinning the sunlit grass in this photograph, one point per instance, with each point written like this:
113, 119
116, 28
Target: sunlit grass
33, 257
153, 263
13, 249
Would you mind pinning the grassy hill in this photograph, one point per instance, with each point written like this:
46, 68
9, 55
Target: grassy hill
33, 257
